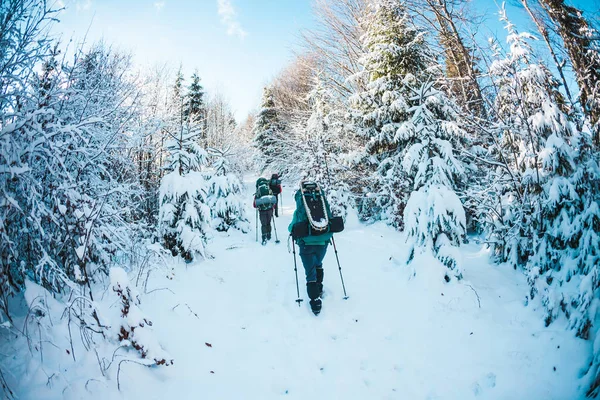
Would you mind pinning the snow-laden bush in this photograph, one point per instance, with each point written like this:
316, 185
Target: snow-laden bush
184, 214
435, 222
135, 329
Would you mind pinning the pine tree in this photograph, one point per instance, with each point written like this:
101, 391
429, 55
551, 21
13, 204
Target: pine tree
396, 59
267, 131
195, 109
435, 217
226, 196
412, 134
184, 215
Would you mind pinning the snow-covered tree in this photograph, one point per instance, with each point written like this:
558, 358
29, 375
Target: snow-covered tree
395, 60
267, 131
435, 217
195, 109
528, 109
73, 185
411, 133
184, 215
545, 191
580, 41
220, 123
226, 197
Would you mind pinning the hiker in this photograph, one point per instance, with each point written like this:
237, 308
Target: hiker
310, 228
275, 186
264, 202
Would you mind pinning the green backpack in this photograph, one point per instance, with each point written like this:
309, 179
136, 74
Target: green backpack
263, 190
262, 181
264, 196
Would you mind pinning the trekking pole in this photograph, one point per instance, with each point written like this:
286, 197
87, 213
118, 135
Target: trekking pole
340, 268
298, 300
275, 227
256, 225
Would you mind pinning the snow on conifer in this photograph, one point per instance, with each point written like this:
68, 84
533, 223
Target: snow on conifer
226, 198
434, 214
395, 58
412, 134
184, 215
267, 132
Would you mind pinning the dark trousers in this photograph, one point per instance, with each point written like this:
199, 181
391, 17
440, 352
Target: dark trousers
276, 204
266, 216
312, 258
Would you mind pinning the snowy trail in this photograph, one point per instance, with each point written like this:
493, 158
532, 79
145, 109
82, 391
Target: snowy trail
394, 338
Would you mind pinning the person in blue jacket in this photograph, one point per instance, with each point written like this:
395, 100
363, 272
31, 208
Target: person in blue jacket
312, 250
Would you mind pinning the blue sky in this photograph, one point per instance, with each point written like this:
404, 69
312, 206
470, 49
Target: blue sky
236, 45
235, 52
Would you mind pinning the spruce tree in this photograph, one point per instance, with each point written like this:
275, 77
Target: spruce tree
195, 109
267, 131
184, 215
395, 58
226, 196
412, 133
546, 195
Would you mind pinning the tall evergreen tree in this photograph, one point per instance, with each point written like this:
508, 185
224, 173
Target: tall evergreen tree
395, 59
268, 131
184, 215
546, 195
226, 195
412, 134
195, 109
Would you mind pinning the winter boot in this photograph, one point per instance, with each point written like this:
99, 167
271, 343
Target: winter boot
320, 280
264, 240
313, 294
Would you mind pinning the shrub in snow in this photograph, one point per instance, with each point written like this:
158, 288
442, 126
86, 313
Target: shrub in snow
134, 329
225, 197
67, 182
184, 215
546, 206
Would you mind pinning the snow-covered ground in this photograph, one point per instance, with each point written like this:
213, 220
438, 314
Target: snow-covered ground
235, 331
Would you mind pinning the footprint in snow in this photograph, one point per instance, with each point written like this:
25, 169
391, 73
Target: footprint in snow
489, 381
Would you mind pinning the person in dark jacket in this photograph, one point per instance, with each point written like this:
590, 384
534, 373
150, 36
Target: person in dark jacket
312, 249
265, 202
275, 186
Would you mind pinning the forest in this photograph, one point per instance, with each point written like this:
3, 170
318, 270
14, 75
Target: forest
405, 113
